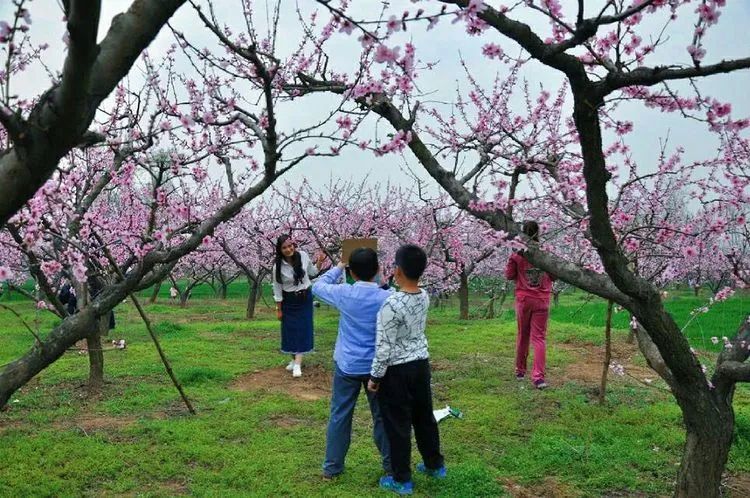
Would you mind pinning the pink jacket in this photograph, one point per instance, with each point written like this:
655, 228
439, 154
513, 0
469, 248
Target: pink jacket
530, 281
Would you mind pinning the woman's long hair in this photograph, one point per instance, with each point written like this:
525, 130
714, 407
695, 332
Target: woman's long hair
299, 272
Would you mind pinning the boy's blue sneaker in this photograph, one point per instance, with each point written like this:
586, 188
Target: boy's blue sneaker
436, 473
402, 488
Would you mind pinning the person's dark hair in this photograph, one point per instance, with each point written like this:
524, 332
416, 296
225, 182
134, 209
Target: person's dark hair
299, 272
531, 229
363, 262
412, 260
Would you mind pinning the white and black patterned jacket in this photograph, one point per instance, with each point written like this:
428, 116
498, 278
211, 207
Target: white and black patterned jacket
400, 332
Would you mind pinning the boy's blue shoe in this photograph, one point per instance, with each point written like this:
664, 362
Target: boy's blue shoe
402, 488
436, 473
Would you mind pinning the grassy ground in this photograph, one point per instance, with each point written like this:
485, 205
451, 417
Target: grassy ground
261, 433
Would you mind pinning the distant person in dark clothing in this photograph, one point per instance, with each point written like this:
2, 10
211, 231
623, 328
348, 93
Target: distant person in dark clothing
67, 296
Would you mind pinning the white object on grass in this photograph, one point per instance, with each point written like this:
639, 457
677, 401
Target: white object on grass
446, 412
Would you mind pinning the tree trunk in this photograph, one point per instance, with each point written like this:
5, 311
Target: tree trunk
556, 298
696, 289
463, 296
491, 308
184, 298
155, 294
223, 290
607, 353
705, 455
252, 298
96, 355
96, 362
20, 371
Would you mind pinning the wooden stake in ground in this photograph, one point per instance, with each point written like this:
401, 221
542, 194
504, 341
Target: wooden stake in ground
607, 353
147, 322
164, 359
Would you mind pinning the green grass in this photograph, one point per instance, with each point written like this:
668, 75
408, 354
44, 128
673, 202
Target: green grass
136, 439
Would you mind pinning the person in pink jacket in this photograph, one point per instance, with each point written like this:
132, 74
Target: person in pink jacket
533, 289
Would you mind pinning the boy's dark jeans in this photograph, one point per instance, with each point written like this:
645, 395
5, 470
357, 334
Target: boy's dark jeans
405, 399
346, 390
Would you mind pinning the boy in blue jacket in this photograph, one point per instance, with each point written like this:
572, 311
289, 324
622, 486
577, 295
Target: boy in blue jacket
355, 348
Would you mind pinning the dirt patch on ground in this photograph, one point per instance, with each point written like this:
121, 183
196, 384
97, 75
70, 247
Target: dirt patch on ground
588, 363
441, 365
548, 488
287, 422
6, 425
99, 423
174, 488
738, 485
93, 423
314, 384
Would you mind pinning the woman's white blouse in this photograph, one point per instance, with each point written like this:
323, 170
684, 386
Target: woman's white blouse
287, 277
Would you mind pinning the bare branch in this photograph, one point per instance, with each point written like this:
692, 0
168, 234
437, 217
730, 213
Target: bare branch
735, 371
648, 76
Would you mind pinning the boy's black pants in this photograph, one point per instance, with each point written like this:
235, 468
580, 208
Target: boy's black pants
405, 399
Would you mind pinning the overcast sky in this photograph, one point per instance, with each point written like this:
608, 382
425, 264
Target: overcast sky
445, 44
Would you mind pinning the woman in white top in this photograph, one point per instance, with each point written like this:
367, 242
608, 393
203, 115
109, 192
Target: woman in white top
292, 271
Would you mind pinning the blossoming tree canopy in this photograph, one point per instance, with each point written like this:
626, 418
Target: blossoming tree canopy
42, 129
569, 158
174, 152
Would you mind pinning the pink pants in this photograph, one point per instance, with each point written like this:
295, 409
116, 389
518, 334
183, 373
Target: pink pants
532, 315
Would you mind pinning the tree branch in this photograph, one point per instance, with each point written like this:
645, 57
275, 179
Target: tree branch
735, 371
648, 76
522, 34
59, 120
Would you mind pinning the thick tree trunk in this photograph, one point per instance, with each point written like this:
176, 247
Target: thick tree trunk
184, 298
556, 298
252, 299
155, 293
223, 291
607, 353
696, 290
17, 373
463, 297
708, 420
706, 451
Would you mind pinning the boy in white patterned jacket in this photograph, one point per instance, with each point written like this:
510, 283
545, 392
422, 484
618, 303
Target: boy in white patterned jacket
401, 375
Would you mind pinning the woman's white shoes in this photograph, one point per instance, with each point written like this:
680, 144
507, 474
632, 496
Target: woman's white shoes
294, 368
